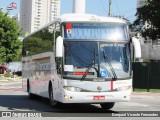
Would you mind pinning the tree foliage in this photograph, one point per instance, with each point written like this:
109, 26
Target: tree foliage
39, 42
9, 43
149, 14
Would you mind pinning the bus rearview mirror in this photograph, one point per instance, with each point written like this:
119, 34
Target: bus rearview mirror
59, 46
137, 48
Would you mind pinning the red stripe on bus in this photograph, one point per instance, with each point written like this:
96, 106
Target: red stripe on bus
26, 61
39, 59
111, 85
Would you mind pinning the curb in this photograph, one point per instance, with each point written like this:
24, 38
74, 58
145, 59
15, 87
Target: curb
145, 93
12, 89
3, 80
10, 80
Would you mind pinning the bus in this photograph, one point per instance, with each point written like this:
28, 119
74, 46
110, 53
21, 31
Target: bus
80, 58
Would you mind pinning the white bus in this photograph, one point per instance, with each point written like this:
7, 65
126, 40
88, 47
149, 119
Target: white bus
79, 58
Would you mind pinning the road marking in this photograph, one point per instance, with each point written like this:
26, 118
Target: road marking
9, 83
12, 89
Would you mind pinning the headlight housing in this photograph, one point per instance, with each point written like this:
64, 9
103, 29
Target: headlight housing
76, 89
72, 89
124, 88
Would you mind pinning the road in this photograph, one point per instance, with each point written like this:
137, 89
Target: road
12, 98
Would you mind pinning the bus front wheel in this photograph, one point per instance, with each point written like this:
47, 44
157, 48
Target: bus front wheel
51, 98
107, 106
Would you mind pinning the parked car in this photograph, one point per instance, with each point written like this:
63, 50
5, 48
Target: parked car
2, 69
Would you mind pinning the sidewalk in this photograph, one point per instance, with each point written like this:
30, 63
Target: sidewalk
145, 94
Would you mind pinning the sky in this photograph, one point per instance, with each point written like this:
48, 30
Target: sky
126, 8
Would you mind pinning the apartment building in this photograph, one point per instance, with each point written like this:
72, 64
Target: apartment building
37, 13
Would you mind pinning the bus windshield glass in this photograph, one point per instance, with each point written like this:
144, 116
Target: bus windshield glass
79, 56
93, 59
114, 58
95, 31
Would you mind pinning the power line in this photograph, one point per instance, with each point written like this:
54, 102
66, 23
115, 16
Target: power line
118, 7
122, 12
103, 6
131, 16
129, 10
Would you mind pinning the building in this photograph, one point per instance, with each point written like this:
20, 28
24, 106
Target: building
36, 13
15, 17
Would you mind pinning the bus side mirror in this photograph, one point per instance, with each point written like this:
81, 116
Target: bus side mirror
59, 46
137, 48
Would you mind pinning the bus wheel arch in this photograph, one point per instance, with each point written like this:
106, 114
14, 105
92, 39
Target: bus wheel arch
31, 95
28, 86
51, 96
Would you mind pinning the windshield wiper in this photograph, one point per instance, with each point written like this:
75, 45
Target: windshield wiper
90, 66
110, 65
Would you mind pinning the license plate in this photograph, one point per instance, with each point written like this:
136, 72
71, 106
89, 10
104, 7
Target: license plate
99, 98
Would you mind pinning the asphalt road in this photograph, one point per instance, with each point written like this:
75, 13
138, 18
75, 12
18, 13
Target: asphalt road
12, 98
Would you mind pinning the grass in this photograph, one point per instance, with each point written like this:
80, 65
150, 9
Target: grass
2, 77
145, 90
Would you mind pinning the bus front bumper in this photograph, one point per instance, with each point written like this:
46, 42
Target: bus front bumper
95, 97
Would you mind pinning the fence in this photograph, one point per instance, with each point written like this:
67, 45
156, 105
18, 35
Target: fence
146, 75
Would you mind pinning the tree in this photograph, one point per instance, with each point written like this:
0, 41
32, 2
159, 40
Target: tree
149, 14
9, 42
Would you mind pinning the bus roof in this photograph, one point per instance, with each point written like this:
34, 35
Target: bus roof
72, 17
87, 18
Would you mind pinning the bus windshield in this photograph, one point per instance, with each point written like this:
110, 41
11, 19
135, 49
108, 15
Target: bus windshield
79, 56
95, 31
115, 57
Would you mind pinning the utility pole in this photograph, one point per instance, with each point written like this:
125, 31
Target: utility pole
110, 5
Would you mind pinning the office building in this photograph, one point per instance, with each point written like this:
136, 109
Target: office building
37, 13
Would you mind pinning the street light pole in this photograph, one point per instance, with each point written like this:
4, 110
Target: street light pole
110, 5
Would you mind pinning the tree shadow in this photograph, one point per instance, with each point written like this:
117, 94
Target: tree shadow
23, 103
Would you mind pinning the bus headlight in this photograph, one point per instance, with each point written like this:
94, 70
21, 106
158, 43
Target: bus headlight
125, 88
73, 89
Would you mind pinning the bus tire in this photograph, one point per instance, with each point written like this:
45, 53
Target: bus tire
51, 98
107, 106
30, 95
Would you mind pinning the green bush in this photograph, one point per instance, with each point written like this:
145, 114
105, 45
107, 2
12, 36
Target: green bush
8, 74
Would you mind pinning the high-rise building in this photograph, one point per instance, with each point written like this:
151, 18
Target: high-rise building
36, 13
16, 17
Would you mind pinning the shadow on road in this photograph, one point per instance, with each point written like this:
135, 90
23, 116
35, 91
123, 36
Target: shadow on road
22, 103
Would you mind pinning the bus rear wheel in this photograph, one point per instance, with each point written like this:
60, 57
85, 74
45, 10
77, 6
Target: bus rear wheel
51, 98
107, 106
